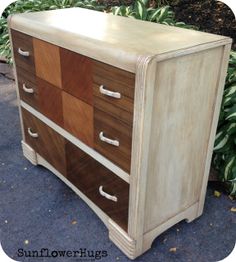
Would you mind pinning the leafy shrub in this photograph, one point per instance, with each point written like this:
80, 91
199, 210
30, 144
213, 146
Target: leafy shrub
141, 10
224, 158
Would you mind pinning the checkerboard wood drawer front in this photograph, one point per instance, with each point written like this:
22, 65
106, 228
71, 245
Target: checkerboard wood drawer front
123, 111
93, 179
45, 141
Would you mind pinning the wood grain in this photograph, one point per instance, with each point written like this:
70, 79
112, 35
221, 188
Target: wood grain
124, 103
24, 77
183, 119
113, 110
47, 62
87, 175
116, 130
49, 144
78, 118
50, 101
114, 78
23, 41
77, 75
87, 149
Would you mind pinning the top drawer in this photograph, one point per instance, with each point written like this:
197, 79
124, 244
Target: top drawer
23, 51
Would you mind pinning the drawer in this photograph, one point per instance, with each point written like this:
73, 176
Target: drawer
106, 126
27, 87
23, 51
45, 141
114, 78
113, 91
98, 183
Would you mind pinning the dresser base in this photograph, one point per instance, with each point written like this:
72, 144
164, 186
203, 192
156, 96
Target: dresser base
132, 248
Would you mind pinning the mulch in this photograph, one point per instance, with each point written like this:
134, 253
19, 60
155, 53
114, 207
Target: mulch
208, 15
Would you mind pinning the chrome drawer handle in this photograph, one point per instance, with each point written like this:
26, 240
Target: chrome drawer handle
102, 193
27, 89
109, 93
108, 140
23, 53
34, 135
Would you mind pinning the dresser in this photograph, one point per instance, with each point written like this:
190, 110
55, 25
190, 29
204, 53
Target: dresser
123, 111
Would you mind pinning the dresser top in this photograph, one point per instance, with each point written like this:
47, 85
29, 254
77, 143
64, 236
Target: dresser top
115, 40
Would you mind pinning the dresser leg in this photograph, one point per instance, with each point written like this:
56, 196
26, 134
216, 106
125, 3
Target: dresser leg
122, 240
29, 153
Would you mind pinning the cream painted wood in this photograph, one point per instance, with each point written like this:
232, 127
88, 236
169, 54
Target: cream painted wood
110, 40
219, 94
29, 153
16, 81
188, 214
107, 163
144, 88
180, 134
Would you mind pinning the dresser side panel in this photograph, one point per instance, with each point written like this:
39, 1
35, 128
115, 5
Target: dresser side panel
183, 108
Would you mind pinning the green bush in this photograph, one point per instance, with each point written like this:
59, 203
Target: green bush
141, 10
224, 158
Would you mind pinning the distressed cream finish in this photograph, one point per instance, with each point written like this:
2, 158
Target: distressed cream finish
183, 113
115, 40
179, 84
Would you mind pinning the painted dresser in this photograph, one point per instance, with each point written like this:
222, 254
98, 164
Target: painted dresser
123, 111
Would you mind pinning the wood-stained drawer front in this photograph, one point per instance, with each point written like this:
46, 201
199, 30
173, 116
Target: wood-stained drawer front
113, 90
118, 147
114, 78
45, 141
23, 51
98, 184
27, 87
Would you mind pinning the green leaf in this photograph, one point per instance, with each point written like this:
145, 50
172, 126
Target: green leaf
141, 10
221, 142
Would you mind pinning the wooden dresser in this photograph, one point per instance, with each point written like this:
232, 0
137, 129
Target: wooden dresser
123, 111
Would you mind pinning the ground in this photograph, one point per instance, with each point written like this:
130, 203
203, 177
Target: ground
37, 210
208, 15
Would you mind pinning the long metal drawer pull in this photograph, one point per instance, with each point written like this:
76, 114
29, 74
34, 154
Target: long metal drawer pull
108, 140
34, 135
23, 53
27, 89
109, 93
102, 193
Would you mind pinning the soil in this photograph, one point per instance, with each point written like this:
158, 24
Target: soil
208, 15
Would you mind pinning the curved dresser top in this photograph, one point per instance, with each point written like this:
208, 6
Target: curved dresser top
115, 40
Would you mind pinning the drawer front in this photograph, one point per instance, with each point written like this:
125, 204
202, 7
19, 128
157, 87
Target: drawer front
95, 181
27, 87
45, 141
113, 91
23, 51
115, 130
